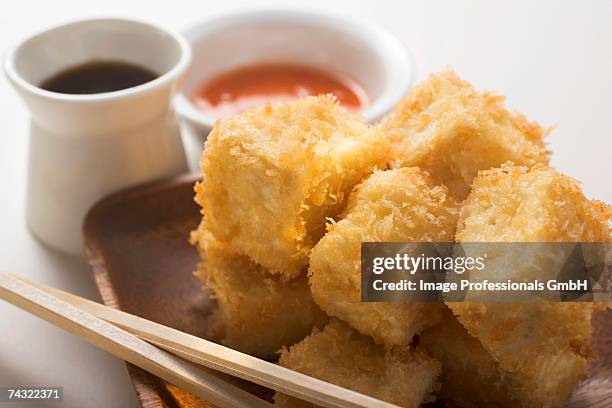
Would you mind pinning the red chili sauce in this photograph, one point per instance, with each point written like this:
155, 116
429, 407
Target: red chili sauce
247, 87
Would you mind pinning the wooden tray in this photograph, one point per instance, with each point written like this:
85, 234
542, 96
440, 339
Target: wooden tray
136, 243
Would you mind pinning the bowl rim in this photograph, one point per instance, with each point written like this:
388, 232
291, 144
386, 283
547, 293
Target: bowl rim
181, 65
396, 57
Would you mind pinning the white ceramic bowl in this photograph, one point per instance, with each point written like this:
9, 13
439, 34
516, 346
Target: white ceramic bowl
356, 48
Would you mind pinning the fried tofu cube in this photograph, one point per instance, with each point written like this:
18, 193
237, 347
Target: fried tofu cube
258, 313
544, 343
401, 205
340, 355
447, 128
517, 204
273, 175
470, 377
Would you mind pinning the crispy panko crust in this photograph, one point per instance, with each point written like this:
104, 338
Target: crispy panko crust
401, 205
340, 355
544, 343
517, 204
470, 377
271, 176
447, 128
258, 313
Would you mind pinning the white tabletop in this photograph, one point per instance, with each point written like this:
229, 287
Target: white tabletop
553, 60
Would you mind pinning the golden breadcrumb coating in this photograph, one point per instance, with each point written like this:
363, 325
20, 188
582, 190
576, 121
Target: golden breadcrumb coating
340, 355
470, 377
544, 343
271, 176
257, 313
401, 205
447, 128
514, 203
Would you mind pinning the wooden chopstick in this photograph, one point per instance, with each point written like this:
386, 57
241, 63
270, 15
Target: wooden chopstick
224, 359
124, 345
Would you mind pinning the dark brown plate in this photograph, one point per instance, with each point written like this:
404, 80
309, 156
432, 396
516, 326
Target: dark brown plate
136, 243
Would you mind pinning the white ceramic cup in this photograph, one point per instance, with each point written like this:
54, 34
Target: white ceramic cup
83, 147
351, 46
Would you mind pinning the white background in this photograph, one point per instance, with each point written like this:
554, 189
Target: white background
552, 59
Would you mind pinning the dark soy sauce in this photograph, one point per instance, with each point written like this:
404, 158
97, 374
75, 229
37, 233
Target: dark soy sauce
97, 77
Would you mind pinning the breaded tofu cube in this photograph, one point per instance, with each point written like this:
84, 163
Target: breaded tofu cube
517, 204
271, 176
447, 128
401, 205
470, 377
258, 313
340, 355
544, 343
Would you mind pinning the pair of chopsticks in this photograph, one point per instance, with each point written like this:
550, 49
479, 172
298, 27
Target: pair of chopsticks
134, 339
